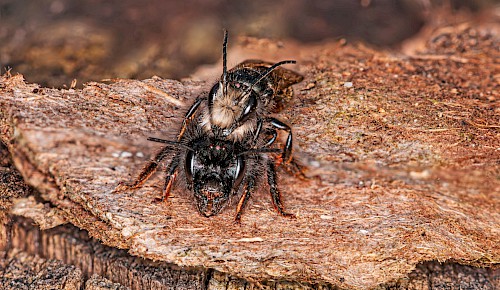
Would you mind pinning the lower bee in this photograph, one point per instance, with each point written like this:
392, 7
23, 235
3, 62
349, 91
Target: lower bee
227, 139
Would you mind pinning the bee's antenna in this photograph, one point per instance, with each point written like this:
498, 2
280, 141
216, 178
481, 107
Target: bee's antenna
171, 143
224, 63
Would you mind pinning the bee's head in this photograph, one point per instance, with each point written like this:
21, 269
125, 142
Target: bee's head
232, 106
214, 171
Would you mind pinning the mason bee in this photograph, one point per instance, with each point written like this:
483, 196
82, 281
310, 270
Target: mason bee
226, 140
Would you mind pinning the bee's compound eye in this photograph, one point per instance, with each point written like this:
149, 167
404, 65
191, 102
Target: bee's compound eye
213, 92
212, 95
250, 107
240, 170
189, 166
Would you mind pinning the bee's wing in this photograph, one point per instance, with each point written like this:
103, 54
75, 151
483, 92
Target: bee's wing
282, 77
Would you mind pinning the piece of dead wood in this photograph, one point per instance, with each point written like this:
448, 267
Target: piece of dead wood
98, 283
11, 186
44, 216
109, 268
72, 246
383, 217
24, 271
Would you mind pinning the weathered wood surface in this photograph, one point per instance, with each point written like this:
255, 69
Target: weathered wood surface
70, 258
403, 165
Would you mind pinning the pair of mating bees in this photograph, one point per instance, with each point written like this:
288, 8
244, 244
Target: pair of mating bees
227, 139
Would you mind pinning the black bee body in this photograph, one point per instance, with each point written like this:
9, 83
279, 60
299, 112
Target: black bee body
227, 137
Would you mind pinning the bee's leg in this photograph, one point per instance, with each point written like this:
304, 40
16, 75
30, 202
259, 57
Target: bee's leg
286, 156
171, 175
273, 135
189, 116
290, 165
247, 192
273, 188
257, 131
146, 172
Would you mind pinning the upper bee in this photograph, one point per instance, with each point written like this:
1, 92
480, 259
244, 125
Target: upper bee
244, 95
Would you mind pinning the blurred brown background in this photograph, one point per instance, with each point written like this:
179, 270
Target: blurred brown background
52, 42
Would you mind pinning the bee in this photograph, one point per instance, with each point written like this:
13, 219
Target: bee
226, 138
